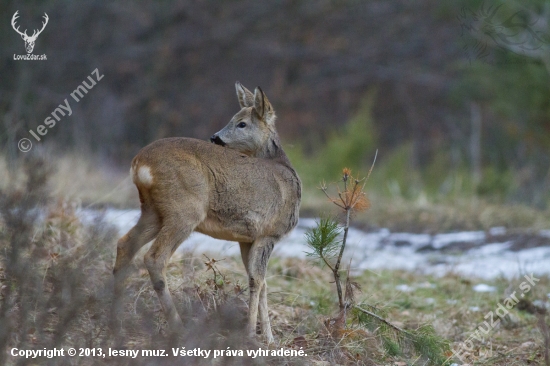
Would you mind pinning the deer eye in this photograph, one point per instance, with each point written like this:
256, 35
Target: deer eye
241, 125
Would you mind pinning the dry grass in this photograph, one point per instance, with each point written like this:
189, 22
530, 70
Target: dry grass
426, 216
82, 179
56, 285
301, 299
449, 303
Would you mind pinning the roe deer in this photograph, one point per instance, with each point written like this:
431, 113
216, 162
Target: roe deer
240, 188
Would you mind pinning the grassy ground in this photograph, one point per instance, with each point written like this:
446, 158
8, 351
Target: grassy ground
302, 300
56, 285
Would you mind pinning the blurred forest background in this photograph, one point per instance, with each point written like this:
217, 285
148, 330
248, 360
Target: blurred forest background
454, 94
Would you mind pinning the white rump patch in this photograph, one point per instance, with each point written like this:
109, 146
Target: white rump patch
143, 176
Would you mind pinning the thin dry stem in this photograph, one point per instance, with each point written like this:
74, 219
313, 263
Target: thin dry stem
372, 166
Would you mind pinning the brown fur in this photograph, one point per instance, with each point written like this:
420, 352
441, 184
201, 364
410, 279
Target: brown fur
245, 191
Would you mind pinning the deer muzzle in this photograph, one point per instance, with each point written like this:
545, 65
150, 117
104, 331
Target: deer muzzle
217, 140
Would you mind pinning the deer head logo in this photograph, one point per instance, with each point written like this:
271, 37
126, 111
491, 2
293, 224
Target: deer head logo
29, 40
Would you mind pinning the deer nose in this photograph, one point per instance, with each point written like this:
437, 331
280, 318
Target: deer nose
217, 140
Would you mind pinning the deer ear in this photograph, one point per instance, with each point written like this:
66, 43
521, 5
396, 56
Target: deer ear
259, 102
263, 107
245, 96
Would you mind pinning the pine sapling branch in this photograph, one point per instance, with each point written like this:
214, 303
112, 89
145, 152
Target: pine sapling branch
323, 240
379, 318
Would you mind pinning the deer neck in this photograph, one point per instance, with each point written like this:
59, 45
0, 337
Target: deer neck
273, 150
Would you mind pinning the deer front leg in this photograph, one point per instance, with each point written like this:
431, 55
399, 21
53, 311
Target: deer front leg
264, 315
258, 258
263, 309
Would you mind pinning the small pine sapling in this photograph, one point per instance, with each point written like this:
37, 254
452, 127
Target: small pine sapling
327, 242
324, 239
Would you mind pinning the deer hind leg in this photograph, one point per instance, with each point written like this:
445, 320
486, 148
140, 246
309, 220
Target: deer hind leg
171, 235
258, 257
143, 232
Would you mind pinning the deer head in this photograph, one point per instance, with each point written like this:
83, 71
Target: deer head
29, 41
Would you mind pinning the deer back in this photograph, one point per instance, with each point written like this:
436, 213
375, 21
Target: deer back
238, 197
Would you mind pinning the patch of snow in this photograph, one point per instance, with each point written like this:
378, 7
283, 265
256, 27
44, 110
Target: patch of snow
541, 304
377, 250
481, 287
306, 223
404, 288
442, 240
416, 240
490, 249
499, 230
124, 220
384, 232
